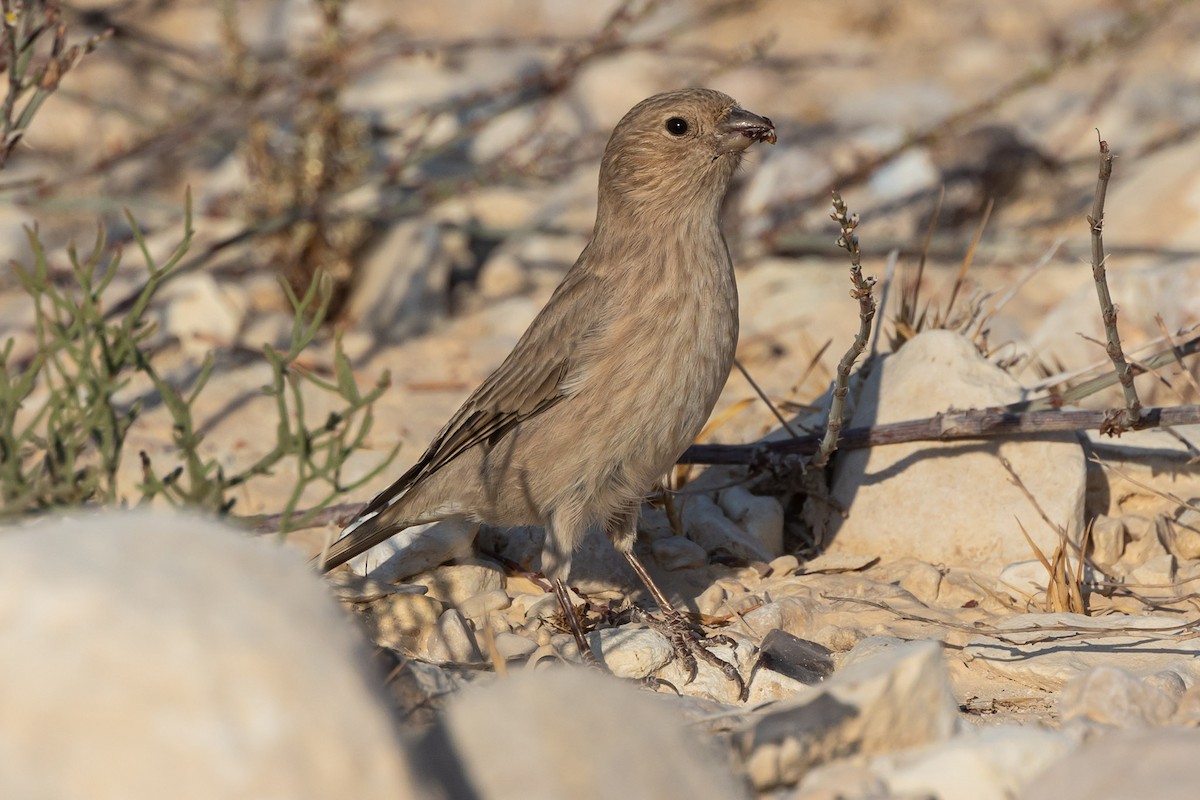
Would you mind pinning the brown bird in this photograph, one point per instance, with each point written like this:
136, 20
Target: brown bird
616, 375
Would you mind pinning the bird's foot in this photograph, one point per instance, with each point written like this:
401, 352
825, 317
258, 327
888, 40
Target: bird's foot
690, 642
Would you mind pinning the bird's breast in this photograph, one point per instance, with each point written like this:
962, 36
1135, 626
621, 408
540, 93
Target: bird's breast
661, 362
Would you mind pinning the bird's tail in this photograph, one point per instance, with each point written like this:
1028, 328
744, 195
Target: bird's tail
359, 536
378, 521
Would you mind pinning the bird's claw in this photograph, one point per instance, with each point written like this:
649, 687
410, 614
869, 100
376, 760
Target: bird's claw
690, 642
655, 683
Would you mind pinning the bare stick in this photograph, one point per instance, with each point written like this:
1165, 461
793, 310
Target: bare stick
955, 425
866, 312
789, 453
1108, 311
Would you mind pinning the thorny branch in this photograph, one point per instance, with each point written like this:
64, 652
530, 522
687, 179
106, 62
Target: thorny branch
1131, 417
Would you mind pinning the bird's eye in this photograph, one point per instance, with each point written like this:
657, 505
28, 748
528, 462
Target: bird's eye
677, 126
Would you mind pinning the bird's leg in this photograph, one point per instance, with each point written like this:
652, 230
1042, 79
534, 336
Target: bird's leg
687, 641
564, 601
589, 658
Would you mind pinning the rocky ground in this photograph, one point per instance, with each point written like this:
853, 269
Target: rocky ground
924, 629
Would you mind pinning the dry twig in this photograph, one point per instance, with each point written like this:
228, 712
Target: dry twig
1189, 629
1132, 413
866, 312
951, 425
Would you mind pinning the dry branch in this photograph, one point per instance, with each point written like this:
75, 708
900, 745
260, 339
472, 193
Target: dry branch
949, 426
1187, 629
1130, 417
866, 312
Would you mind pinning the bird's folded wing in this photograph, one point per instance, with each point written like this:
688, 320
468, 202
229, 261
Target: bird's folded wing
532, 379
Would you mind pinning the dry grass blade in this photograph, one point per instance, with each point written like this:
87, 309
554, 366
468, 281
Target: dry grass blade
1177, 352
908, 320
811, 367
1157, 358
889, 275
763, 396
1064, 592
1041, 264
968, 259
1174, 498
1142, 368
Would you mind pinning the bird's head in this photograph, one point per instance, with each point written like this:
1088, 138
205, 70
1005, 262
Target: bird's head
677, 150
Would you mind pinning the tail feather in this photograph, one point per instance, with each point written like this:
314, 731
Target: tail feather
377, 522
366, 531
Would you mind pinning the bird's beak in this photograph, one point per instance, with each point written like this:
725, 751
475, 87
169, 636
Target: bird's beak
740, 129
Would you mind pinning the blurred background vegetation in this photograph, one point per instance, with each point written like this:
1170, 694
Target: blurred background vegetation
376, 168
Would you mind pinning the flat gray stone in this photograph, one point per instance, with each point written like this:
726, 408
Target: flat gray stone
799, 659
678, 552
455, 583
1111, 696
986, 764
708, 526
480, 606
451, 640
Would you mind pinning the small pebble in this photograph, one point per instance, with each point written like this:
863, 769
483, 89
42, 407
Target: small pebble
451, 640
631, 652
511, 646
711, 600
784, 565
398, 616
479, 606
799, 659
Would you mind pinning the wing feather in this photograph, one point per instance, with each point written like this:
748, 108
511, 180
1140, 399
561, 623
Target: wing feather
532, 379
